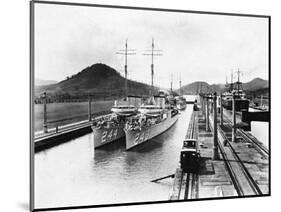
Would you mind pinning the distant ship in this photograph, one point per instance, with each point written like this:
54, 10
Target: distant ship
241, 102
235, 89
181, 102
153, 120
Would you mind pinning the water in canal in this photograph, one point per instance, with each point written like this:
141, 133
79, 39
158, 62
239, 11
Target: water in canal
74, 174
260, 130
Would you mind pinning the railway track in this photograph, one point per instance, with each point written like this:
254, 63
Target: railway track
191, 190
247, 137
186, 184
242, 179
192, 128
231, 171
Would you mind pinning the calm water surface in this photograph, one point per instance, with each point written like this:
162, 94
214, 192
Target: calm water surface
260, 130
74, 174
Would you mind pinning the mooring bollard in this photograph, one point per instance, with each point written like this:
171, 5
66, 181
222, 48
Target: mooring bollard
215, 149
207, 115
221, 111
233, 119
45, 127
89, 109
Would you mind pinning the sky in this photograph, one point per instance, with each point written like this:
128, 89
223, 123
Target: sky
196, 47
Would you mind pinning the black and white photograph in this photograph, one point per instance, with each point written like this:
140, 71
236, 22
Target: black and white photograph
136, 105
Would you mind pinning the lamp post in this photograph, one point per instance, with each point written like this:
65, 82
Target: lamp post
221, 110
207, 115
215, 148
89, 108
233, 119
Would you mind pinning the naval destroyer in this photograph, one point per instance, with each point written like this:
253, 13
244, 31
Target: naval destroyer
155, 116
110, 128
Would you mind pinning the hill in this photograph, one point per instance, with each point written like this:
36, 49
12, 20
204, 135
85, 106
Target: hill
256, 84
195, 87
98, 80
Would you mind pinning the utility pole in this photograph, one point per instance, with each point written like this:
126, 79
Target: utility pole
207, 115
203, 106
89, 108
215, 149
231, 84
233, 119
152, 53
126, 52
221, 110
45, 127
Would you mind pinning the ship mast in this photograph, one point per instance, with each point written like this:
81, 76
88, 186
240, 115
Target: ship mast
152, 54
126, 52
231, 84
126, 65
239, 87
180, 85
152, 65
226, 84
171, 84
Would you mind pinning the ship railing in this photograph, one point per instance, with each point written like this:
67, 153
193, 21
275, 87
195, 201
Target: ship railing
136, 124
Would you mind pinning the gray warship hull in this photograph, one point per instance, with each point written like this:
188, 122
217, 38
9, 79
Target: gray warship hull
103, 136
136, 137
